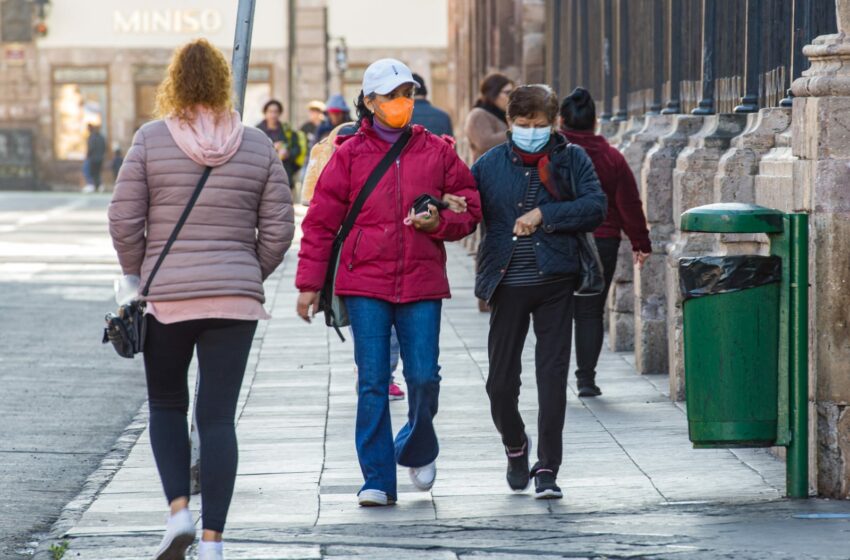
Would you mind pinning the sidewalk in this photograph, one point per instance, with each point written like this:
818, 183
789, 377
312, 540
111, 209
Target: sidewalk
633, 486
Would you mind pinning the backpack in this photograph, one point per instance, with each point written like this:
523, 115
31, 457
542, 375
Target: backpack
320, 155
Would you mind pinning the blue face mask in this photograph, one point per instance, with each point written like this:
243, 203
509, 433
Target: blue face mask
530, 139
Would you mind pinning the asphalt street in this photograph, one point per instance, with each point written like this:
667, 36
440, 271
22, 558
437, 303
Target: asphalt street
64, 398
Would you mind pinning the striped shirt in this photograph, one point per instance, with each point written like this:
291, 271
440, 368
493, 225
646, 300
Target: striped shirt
522, 269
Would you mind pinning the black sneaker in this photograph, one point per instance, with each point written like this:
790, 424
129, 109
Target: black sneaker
589, 390
545, 487
518, 475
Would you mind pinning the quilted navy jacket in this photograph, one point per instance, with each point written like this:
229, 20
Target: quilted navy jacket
502, 183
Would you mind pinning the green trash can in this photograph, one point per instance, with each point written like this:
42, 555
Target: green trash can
731, 308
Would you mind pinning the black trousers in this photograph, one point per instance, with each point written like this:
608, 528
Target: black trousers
512, 309
589, 313
223, 346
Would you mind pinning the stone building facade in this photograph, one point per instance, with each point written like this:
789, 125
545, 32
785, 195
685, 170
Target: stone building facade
104, 63
729, 131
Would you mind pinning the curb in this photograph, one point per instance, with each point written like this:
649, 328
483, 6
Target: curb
94, 484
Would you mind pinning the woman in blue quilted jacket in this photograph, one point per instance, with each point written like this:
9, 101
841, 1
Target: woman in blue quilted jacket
528, 267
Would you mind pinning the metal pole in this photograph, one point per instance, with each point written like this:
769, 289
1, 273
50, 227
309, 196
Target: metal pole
709, 25
622, 61
801, 33
750, 101
290, 87
585, 45
797, 462
556, 47
658, 58
242, 50
607, 34
574, 55
674, 38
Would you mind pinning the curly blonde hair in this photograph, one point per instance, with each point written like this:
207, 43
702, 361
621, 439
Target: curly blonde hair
197, 75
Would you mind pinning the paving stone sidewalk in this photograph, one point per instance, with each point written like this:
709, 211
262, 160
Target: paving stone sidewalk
634, 487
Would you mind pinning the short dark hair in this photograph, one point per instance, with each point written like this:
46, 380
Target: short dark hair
578, 110
421, 88
527, 101
492, 86
271, 102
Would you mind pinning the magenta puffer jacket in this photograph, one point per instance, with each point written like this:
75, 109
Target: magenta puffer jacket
382, 257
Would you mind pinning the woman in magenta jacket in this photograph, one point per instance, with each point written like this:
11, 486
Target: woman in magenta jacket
391, 273
625, 213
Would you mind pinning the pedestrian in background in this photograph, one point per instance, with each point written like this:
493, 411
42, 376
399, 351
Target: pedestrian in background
95, 154
486, 126
528, 269
424, 113
208, 293
392, 270
316, 110
337, 111
291, 145
486, 123
117, 160
625, 213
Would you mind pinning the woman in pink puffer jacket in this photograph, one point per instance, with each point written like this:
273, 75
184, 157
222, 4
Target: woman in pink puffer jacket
208, 294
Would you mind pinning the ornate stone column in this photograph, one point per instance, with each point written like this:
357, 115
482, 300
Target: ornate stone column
693, 185
735, 180
821, 141
621, 305
656, 184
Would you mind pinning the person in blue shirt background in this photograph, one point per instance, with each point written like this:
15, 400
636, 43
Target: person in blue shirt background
434, 119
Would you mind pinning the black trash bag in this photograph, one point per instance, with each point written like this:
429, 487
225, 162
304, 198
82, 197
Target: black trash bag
705, 276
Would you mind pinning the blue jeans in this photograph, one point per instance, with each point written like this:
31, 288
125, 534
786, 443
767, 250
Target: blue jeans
395, 350
418, 328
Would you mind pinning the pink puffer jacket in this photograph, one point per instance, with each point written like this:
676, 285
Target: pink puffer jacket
382, 257
236, 234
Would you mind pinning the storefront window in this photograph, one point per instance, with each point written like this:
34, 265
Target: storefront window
80, 99
258, 92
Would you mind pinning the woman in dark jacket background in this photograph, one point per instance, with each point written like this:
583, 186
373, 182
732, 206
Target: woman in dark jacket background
528, 268
625, 213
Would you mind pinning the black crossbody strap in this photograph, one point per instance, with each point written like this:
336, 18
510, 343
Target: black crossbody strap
177, 228
371, 183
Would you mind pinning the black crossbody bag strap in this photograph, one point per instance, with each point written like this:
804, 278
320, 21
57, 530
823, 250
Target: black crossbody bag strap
370, 185
177, 228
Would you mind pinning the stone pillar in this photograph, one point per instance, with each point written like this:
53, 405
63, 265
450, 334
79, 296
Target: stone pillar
656, 184
311, 70
639, 137
735, 181
821, 141
774, 184
693, 185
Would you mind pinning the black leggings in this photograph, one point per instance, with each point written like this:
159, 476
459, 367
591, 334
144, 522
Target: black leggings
512, 309
589, 311
223, 346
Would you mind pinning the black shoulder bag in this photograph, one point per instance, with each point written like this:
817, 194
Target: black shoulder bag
336, 314
591, 278
126, 329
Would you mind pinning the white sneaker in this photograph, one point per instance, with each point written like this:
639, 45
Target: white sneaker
210, 551
179, 535
423, 477
88, 189
374, 498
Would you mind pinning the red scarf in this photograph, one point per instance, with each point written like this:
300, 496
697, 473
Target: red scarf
541, 161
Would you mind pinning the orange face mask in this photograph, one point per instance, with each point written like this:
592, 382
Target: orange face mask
396, 113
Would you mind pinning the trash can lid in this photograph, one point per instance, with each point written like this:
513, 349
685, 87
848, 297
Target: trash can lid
733, 218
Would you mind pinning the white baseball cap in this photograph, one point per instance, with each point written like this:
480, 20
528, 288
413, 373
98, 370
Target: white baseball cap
384, 75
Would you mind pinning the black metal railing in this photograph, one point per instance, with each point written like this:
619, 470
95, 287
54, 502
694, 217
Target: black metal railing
680, 56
